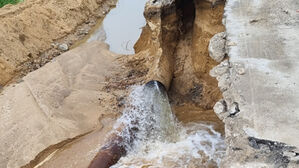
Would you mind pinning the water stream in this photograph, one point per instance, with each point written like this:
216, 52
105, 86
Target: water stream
159, 140
122, 26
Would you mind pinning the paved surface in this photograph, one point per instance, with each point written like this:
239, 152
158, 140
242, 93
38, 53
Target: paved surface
260, 83
263, 36
56, 102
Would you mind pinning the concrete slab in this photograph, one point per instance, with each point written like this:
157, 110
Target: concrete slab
263, 36
260, 83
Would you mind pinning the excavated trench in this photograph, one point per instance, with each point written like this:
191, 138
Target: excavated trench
176, 35
172, 50
177, 38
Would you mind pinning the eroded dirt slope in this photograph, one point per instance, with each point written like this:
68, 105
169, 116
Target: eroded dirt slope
193, 92
28, 29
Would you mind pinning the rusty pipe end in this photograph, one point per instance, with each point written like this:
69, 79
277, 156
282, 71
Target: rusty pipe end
155, 83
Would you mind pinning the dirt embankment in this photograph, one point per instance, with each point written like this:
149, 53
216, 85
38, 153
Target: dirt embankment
31, 31
182, 36
193, 91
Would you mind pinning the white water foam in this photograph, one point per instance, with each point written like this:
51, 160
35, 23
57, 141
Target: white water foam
160, 140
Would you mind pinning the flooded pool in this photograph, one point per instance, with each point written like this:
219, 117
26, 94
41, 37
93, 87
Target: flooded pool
122, 26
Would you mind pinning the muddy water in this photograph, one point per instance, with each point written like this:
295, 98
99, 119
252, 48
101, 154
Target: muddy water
122, 26
160, 140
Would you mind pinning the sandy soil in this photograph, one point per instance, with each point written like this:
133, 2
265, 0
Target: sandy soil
192, 92
31, 31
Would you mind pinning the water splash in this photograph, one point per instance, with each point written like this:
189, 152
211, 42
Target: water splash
154, 138
148, 116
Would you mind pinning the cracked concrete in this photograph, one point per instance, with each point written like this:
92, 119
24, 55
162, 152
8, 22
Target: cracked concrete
260, 81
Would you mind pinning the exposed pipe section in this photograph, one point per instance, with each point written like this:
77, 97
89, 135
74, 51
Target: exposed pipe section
163, 72
116, 147
109, 154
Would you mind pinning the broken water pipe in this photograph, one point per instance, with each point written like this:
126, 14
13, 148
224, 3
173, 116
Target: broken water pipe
123, 136
170, 18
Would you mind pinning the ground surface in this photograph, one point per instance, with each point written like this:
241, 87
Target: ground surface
31, 31
83, 90
262, 83
57, 102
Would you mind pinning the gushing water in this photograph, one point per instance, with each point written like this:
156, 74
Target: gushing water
154, 138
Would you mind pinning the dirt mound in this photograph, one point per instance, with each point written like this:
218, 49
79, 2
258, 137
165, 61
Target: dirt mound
28, 29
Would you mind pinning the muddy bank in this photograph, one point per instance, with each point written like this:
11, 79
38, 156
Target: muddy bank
31, 32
